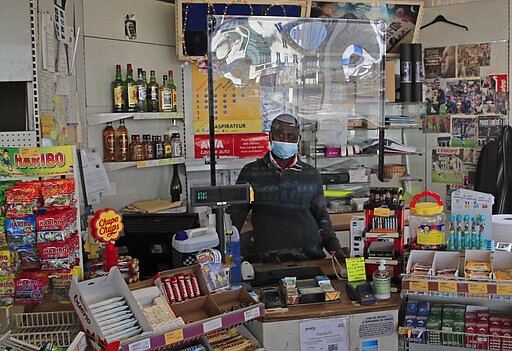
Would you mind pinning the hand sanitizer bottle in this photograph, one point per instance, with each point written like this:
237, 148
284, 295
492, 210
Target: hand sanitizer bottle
382, 283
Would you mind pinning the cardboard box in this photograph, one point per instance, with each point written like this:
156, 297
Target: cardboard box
446, 260
420, 256
196, 269
477, 256
230, 300
196, 309
90, 292
501, 260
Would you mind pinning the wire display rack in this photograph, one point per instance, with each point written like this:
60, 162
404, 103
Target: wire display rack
59, 328
8, 342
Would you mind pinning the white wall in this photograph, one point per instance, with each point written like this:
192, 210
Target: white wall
104, 45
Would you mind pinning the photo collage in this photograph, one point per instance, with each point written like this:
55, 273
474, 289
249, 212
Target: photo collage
466, 110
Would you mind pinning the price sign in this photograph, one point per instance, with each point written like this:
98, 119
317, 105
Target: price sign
418, 285
381, 212
29, 152
355, 269
173, 336
450, 287
404, 331
477, 288
504, 289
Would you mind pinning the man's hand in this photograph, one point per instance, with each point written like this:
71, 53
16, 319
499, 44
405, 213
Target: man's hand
342, 253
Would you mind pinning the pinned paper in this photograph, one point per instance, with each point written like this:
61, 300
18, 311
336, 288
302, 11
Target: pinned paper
355, 269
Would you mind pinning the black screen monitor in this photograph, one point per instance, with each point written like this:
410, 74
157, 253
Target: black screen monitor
220, 195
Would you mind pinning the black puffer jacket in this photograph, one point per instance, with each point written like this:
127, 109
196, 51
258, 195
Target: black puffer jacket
288, 212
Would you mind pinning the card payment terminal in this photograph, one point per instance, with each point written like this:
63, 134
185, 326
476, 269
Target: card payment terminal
360, 291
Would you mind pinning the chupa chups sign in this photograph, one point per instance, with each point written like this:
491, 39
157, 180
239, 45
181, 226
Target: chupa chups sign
106, 225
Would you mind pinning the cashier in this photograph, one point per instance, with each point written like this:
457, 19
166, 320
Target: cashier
288, 216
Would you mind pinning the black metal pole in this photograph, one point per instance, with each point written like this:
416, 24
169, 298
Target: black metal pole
211, 105
382, 112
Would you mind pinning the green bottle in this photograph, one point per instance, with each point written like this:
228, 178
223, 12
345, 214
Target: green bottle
141, 90
152, 93
172, 88
130, 90
118, 92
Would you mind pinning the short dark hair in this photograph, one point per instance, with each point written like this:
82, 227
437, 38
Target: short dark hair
286, 118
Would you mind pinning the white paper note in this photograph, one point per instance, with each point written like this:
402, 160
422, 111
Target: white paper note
324, 335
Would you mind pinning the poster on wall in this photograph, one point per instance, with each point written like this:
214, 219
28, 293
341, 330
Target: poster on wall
400, 17
435, 96
464, 131
489, 128
471, 57
447, 166
246, 145
436, 124
464, 96
236, 109
36, 161
439, 62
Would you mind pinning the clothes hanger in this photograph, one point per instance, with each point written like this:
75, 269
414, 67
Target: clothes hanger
441, 18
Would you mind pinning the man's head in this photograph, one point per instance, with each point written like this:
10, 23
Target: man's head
448, 62
284, 136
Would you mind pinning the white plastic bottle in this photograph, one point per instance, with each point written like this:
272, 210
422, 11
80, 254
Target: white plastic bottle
382, 283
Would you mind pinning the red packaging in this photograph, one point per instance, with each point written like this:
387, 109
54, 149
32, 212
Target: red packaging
195, 285
176, 289
169, 291
55, 249
55, 220
183, 287
190, 289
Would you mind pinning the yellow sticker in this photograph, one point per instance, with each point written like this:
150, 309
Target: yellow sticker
432, 238
173, 336
29, 152
504, 289
450, 287
418, 285
404, 331
355, 269
477, 288
381, 212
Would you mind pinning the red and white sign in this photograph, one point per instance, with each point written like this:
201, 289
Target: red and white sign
249, 145
500, 82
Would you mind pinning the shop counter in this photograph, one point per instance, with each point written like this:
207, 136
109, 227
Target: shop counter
372, 327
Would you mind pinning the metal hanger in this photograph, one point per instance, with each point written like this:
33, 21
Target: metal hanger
441, 18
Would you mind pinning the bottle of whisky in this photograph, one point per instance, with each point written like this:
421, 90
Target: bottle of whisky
109, 143
141, 91
152, 93
136, 150
167, 146
118, 92
172, 87
159, 147
164, 96
176, 188
122, 151
130, 90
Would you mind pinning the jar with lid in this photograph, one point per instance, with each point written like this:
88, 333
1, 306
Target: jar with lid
427, 223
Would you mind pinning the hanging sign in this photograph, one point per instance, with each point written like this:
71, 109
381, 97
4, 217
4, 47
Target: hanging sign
36, 161
106, 225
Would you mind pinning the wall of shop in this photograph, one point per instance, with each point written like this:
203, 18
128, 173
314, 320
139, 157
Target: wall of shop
487, 22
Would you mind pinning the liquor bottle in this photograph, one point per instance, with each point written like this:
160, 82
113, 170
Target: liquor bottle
177, 147
167, 146
136, 149
119, 104
176, 188
130, 147
122, 153
130, 90
172, 87
164, 96
149, 151
141, 91
109, 143
159, 147
152, 93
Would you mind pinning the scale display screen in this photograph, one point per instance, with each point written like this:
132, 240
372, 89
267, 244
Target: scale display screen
220, 195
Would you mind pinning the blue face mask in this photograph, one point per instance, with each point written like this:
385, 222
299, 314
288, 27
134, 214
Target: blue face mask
283, 149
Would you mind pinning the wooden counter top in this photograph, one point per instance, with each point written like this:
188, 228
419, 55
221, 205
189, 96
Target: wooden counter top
343, 307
